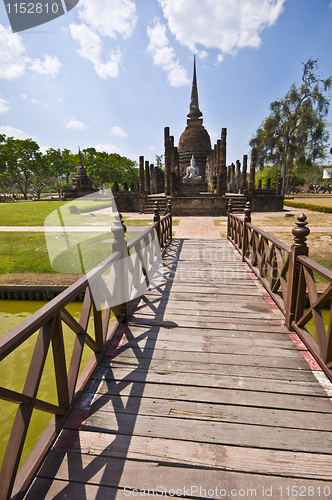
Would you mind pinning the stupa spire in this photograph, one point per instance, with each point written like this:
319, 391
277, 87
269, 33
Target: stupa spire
194, 111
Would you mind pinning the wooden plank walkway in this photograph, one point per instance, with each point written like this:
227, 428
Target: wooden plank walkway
205, 396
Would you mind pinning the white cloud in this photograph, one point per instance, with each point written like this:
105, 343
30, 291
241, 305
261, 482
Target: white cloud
164, 55
202, 54
330, 5
91, 48
49, 67
227, 25
12, 55
34, 101
14, 132
24, 96
118, 131
4, 106
75, 124
151, 148
106, 18
109, 17
108, 148
14, 61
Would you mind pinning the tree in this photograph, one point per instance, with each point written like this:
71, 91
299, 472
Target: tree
159, 161
105, 168
20, 157
41, 175
294, 136
62, 164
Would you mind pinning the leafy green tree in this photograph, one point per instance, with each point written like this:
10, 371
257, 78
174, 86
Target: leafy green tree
21, 158
160, 161
105, 168
41, 175
62, 165
294, 136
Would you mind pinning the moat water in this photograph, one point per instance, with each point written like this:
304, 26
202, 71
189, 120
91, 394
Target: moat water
14, 369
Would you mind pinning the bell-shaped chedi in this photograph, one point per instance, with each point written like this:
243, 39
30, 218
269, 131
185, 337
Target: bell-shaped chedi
195, 139
82, 184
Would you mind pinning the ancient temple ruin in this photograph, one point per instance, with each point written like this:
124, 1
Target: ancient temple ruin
81, 183
196, 175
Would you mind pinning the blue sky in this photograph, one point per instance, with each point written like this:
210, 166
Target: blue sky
112, 74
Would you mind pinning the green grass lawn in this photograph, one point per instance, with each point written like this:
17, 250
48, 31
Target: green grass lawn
27, 213
24, 252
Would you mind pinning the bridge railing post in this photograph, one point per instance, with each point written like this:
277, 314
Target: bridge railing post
229, 211
295, 293
122, 279
169, 211
245, 239
156, 218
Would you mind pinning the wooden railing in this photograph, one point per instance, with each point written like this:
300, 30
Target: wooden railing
288, 275
49, 322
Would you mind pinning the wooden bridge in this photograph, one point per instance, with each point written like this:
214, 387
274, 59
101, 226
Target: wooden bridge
201, 392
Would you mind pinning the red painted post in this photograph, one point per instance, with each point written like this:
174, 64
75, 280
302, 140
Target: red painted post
169, 211
299, 247
246, 220
120, 245
229, 211
156, 218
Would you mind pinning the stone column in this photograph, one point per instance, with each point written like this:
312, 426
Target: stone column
132, 186
167, 162
244, 184
252, 170
223, 160
268, 183
238, 176
141, 174
229, 179
218, 168
147, 178
232, 178
259, 184
152, 179
177, 169
279, 185
172, 187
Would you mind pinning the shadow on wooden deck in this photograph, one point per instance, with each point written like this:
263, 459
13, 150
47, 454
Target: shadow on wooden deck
203, 395
107, 393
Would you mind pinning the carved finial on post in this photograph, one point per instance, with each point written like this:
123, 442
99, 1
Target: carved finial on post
247, 219
300, 232
230, 206
118, 229
247, 212
169, 206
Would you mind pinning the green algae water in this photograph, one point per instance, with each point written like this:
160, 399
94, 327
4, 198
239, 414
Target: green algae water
14, 369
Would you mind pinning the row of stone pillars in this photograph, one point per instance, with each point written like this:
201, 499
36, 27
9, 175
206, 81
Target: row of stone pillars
237, 181
151, 178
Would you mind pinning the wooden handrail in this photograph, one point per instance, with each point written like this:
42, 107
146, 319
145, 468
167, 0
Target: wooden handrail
287, 273
48, 321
